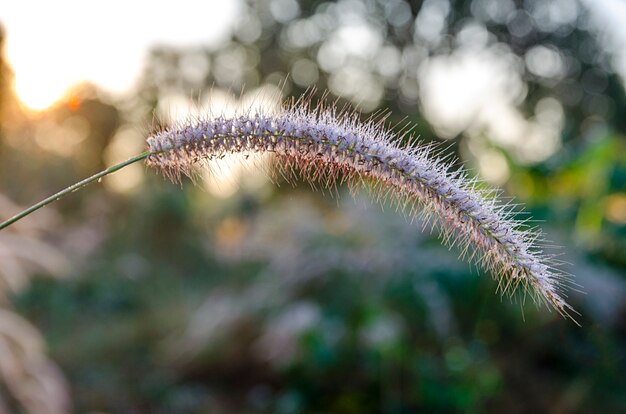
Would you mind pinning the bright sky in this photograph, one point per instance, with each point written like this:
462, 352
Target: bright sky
52, 45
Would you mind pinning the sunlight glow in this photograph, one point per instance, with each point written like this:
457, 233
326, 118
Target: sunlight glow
38, 96
52, 46
477, 91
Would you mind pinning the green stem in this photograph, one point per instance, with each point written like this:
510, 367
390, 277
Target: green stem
73, 188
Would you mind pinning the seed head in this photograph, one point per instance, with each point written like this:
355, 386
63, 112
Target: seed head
325, 149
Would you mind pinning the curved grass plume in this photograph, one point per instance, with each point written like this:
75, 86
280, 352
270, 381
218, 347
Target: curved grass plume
325, 149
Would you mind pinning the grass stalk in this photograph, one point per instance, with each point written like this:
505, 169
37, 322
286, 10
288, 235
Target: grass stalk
73, 188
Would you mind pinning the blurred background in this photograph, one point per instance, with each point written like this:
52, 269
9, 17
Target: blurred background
240, 296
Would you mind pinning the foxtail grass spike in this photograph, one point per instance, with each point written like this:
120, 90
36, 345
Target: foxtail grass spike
326, 149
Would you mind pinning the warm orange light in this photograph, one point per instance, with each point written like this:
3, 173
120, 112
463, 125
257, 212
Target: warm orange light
35, 95
73, 102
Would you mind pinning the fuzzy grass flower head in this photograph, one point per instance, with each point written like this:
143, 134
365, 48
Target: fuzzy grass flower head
326, 147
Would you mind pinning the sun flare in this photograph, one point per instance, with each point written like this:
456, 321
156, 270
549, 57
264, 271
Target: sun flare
38, 96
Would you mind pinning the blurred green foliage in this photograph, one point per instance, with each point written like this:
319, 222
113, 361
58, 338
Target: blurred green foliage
279, 300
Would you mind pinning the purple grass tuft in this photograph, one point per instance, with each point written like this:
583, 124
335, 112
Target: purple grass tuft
326, 149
